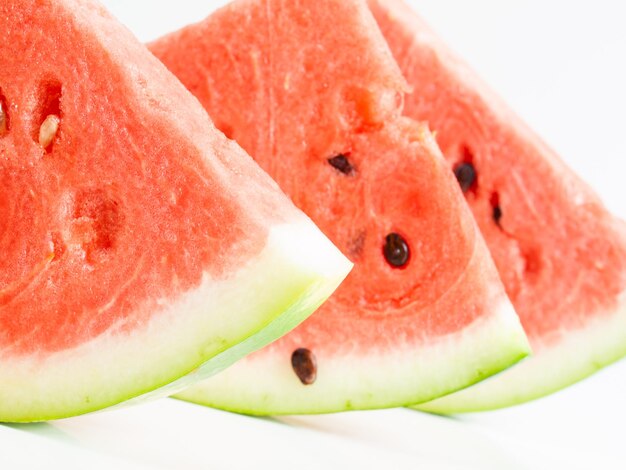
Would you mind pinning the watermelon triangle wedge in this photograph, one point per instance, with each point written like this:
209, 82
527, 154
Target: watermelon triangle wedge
311, 91
560, 254
142, 250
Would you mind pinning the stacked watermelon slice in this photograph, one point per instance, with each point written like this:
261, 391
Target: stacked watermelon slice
142, 249
145, 251
559, 253
423, 313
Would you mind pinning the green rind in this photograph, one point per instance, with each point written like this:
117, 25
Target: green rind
261, 303
265, 385
564, 361
306, 302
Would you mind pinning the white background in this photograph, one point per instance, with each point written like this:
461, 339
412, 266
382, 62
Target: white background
562, 66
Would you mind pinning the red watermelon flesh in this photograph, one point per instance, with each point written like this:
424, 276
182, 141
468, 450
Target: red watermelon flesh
560, 254
311, 90
139, 244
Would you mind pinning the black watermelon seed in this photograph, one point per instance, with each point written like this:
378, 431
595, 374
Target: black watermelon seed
496, 210
396, 250
304, 365
341, 163
466, 175
497, 214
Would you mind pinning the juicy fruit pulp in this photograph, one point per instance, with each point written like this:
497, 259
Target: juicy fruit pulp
136, 238
312, 92
560, 254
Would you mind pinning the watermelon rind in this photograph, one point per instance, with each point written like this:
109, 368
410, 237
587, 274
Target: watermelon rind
197, 335
414, 373
575, 355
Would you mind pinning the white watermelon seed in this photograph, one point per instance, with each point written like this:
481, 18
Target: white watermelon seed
48, 130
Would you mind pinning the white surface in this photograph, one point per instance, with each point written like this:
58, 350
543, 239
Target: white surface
562, 65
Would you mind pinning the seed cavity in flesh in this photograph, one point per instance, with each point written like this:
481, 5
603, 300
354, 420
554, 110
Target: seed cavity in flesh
48, 130
396, 250
466, 175
356, 245
304, 365
4, 119
48, 113
341, 163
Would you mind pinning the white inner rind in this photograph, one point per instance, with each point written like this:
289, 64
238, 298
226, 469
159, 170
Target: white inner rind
294, 273
576, 354
374, 378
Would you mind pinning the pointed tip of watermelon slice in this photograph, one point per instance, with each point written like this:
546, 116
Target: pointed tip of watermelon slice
304, 268
572, 357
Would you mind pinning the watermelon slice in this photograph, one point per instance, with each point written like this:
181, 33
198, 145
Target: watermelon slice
311, 90
561, 255
139, 244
